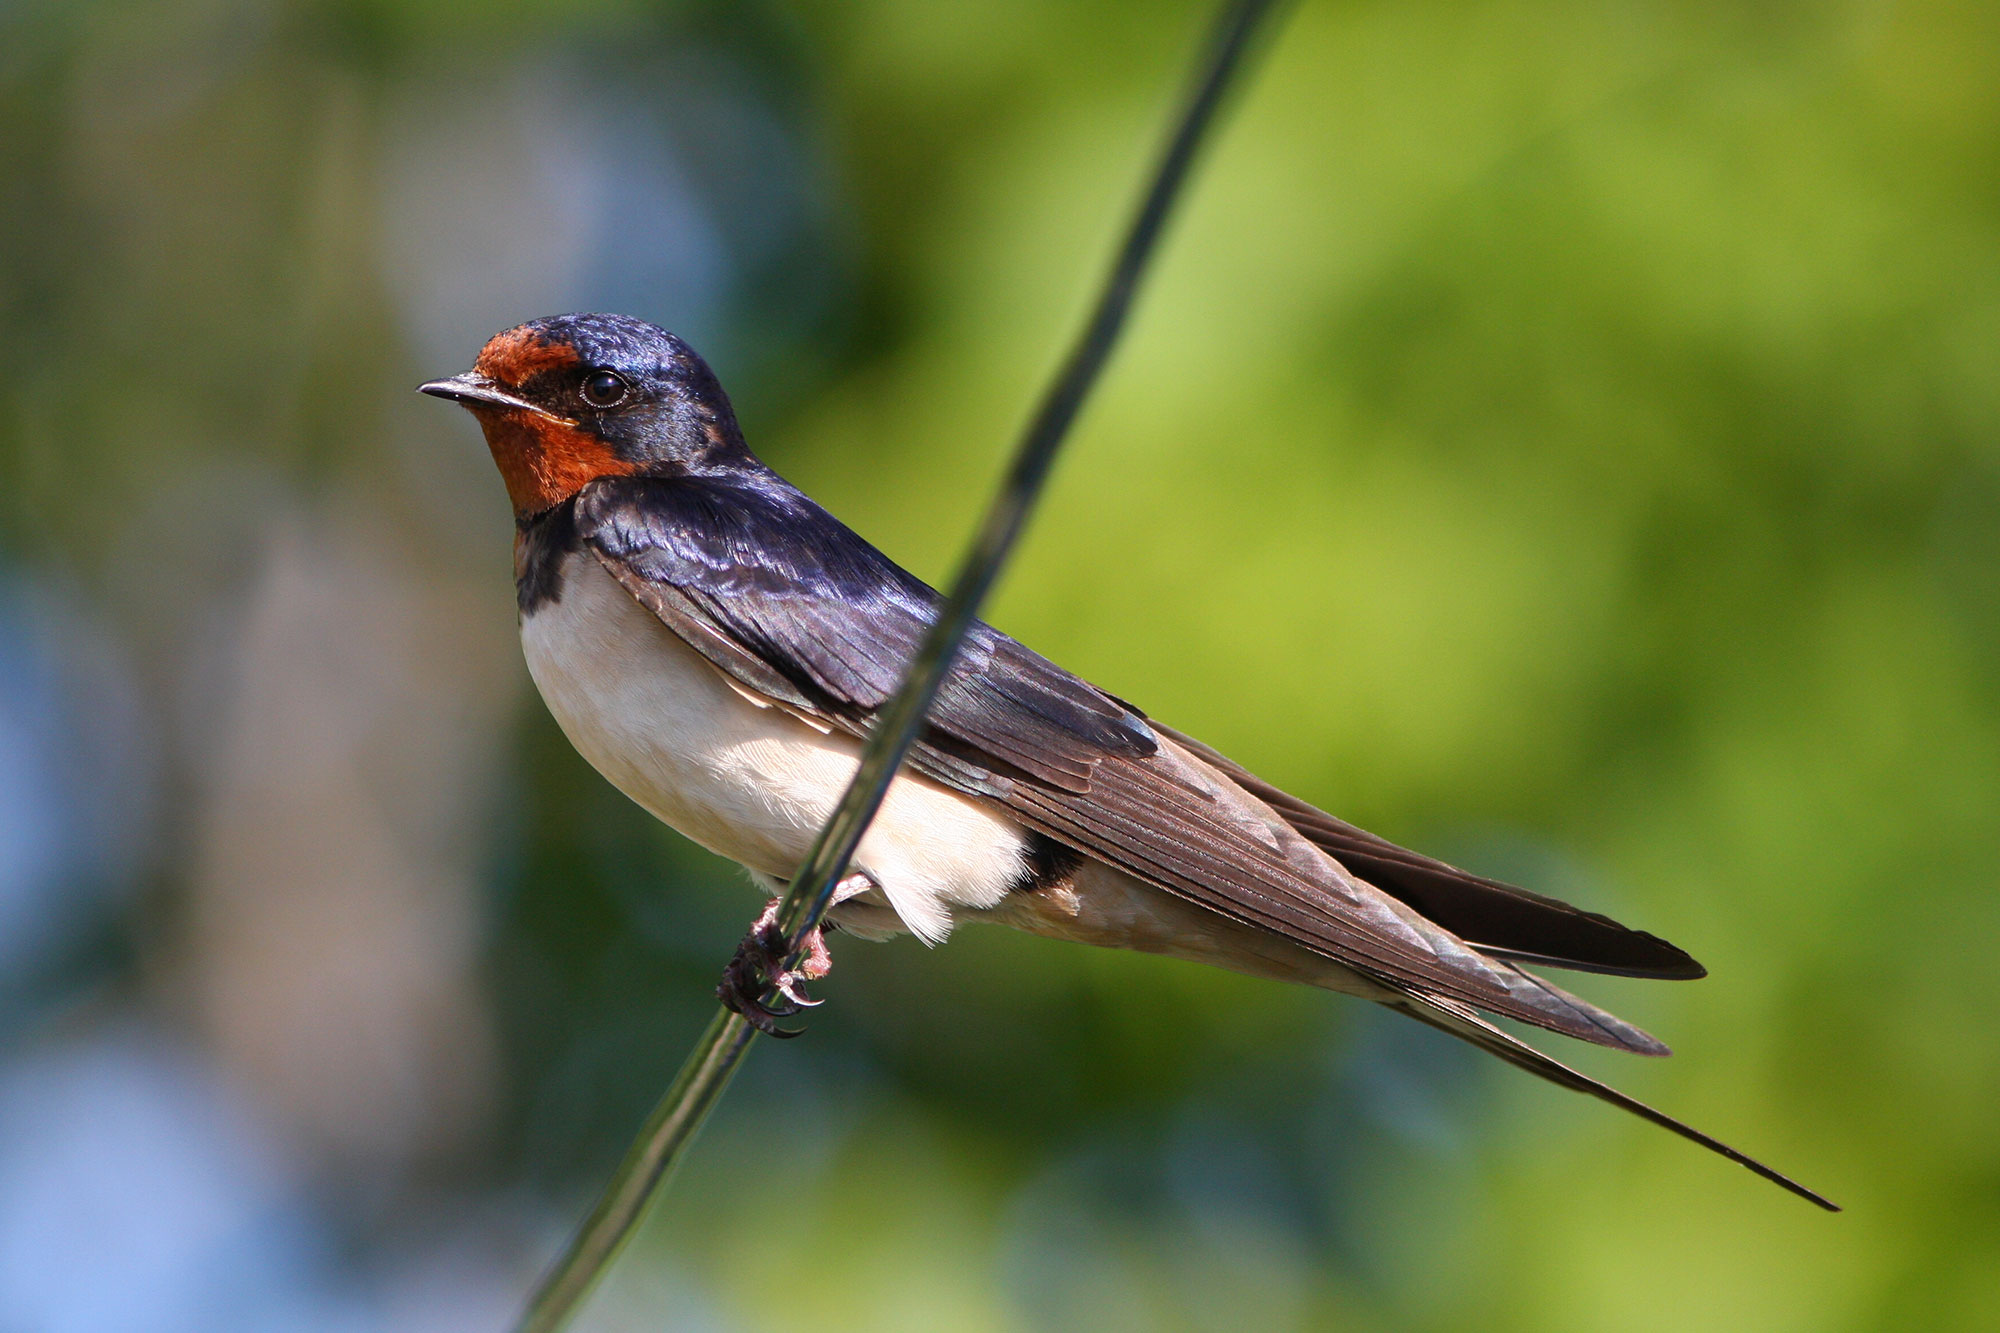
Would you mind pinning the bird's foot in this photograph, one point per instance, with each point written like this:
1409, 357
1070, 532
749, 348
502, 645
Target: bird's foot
758, 970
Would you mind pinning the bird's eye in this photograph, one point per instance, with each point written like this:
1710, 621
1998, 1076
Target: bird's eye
604, 388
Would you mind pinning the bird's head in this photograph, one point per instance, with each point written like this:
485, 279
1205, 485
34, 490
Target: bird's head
571, 398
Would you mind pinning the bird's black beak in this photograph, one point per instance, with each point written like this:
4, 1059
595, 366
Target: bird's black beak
475, 390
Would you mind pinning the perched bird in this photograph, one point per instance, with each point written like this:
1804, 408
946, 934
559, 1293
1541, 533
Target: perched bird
717, 645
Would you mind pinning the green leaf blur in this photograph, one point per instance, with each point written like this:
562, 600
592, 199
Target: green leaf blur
1562, 437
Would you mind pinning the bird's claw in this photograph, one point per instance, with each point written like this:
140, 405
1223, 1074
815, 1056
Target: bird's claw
758, 985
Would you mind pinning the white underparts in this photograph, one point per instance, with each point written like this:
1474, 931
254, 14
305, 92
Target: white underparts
744, 779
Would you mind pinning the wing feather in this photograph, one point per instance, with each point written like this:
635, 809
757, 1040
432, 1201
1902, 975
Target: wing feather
1501, 920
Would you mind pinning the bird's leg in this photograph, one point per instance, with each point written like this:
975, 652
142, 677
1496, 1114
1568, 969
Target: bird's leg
759, 967
816, 964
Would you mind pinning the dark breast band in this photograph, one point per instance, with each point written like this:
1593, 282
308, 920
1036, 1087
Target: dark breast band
541, 544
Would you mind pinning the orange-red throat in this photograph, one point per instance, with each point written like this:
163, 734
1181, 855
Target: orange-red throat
544, 459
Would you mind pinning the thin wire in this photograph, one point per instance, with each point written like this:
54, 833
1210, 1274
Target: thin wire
679, 1115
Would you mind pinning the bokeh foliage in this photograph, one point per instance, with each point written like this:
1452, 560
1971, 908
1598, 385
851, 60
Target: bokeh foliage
1561, 436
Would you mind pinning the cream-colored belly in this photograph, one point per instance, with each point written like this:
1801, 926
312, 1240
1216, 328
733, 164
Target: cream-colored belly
749, 782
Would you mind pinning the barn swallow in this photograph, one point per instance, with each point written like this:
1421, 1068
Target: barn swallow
717, 646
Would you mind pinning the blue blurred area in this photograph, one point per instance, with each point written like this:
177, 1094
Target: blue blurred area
1559, 436
76, 782
37, 826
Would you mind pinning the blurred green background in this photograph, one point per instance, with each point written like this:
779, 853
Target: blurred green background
1565, 437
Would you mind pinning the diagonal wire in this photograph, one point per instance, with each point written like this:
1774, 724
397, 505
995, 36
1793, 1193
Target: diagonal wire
695, 1090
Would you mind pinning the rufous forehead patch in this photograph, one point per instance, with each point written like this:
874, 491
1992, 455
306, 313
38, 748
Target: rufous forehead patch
518, 355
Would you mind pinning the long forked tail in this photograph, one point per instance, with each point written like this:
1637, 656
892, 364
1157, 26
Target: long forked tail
1462, 1022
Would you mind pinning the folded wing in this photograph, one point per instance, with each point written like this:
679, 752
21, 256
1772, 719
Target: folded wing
792, 604
1497, 919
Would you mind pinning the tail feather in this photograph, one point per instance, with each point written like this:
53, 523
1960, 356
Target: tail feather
1533, 999
1464, 1023
1605, 1027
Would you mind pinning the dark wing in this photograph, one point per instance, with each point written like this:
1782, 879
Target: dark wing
1498, 919
780, 595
